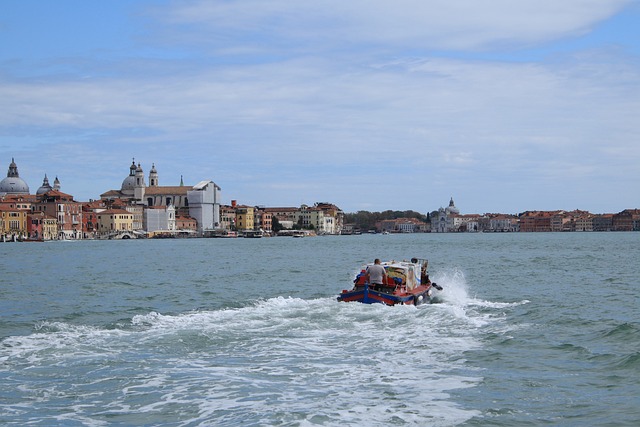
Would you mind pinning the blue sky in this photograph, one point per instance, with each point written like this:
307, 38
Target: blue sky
504, 106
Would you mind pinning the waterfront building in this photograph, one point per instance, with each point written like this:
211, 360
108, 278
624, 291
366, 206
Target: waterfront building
284, 215
244, 218
315, 218
470, 223
322, 222
325, 218
186, 223
39, 224
89, 218
204, 206
584, 222
134, 209
65, 212
42, 226
502, 223
561, 221
160, 218
228, 216
603, 222
401, 225
536, 221
262, 220
13, 222
114, 223
627, 220
68, 213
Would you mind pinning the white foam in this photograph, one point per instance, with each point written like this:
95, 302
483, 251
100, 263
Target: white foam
317, 361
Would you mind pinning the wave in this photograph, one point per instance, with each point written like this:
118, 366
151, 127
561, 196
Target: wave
623, 331
456, 291
630, 362
322, 315
476, 312
292, 360
285, 358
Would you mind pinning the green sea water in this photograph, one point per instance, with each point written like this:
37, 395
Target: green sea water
533, 329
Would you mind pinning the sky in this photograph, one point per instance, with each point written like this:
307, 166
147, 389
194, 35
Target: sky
504, 106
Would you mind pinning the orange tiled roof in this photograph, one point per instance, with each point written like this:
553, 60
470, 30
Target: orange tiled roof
114, 211
180, 190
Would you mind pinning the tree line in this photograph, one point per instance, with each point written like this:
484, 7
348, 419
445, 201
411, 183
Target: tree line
365, 220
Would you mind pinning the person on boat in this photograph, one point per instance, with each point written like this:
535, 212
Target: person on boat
376, 274
424, 276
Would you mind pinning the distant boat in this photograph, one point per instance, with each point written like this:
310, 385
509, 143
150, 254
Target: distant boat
253, 234
299, 233
222, 234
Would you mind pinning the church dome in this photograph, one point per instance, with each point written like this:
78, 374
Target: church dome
45, 187
13, 184
452, 209
129, 182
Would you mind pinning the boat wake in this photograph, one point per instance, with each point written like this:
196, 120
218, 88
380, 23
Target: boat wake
278, 360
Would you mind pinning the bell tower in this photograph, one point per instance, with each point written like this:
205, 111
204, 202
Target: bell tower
153, 176
139, 187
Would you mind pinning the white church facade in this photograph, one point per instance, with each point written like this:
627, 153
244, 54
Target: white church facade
200, 202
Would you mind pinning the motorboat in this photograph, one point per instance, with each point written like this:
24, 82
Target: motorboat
407, 283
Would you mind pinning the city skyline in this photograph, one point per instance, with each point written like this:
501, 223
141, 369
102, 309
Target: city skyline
147, 182
402, 105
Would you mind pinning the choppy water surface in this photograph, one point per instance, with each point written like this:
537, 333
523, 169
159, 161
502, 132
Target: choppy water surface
533, 329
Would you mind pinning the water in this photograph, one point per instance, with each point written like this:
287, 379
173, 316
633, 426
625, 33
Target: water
534, 329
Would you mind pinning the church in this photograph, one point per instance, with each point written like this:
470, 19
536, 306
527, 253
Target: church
442, 220
200, 202
14, 185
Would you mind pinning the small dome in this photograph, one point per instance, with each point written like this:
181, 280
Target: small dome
45, 187
13, 184
129, 182
452, 209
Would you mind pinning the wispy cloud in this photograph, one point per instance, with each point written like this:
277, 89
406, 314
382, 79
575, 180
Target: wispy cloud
435, 24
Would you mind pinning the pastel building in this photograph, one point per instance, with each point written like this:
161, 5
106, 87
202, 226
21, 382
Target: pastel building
114, 222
